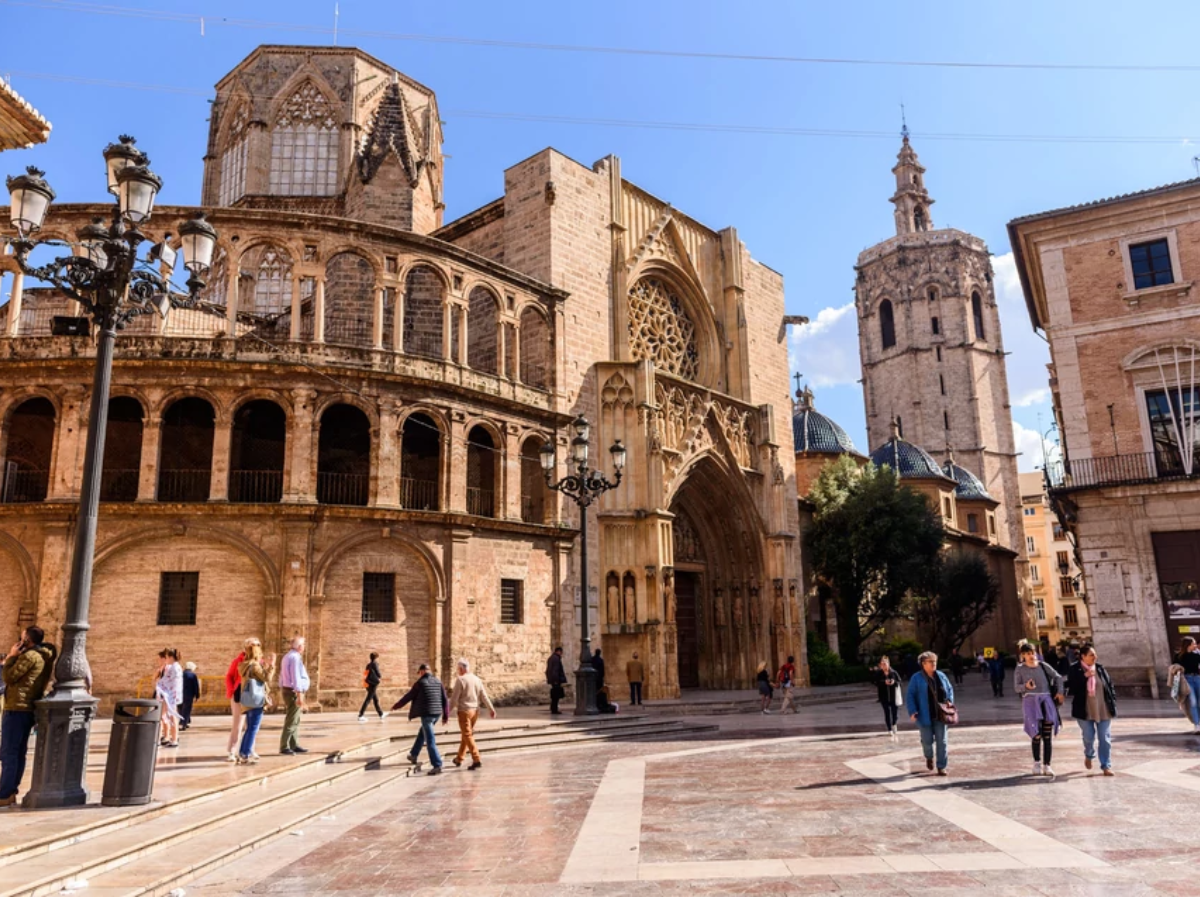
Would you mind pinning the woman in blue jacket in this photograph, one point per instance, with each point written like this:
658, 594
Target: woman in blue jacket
926, 690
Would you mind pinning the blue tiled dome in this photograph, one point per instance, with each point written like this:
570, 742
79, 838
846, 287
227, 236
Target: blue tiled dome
814, 432
908, 460
968, 486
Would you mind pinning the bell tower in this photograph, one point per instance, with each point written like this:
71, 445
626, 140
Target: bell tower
911, 198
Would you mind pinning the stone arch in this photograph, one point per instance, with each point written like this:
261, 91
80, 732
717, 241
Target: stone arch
17, 585
536, 345
258, 451
887, 324
169, 398
350, 279
345, 446
535, 494
483, 329
425, 297
672, 324
422, 459
484, 451
187, 440
17, 397
265, 278
31, 428
122, 449
1144, 354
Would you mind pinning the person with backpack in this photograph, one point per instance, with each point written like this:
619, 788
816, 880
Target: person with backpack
255, 672
371, 679
1040, 688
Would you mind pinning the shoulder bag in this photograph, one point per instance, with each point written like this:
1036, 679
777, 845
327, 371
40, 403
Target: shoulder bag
254, 694
946, 711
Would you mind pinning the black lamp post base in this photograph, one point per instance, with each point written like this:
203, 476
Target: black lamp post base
64, 722
585, 691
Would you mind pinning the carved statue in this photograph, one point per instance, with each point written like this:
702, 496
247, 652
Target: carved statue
614, 604
669, 597
630, 606
739, 608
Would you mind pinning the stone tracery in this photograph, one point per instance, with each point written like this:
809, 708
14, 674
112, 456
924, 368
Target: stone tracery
661, 330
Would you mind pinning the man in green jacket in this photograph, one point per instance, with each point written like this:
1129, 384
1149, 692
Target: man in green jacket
27, 671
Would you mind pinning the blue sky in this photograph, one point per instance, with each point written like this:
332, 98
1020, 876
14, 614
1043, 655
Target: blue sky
805, 205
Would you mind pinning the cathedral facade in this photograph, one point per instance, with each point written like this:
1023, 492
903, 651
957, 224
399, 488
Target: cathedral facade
344, 440
934, 371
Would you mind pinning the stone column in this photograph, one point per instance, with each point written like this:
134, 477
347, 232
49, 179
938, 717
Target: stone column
456, 465
222, 439
297, 309
515, 373
70, 432
232, 298
501, 350
462, 336
386, 468
14, 304
447, 331
398, 319
319, 312
148, 477
301, 487
511, 467
377, 321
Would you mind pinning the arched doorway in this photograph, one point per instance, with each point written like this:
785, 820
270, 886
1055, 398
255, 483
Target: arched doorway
256, 452
722, 623
344, 457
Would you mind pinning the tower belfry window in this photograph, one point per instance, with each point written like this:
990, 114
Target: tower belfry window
887, 324
304, 146
977, 315
919, 218
233, 160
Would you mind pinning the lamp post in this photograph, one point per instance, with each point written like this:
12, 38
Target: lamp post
106, 276
583, 486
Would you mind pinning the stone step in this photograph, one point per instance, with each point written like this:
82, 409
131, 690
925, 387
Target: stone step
107, 847
564, 736
749, 704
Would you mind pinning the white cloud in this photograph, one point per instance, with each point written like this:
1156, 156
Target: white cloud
825, 350
1034, 397
1029, 447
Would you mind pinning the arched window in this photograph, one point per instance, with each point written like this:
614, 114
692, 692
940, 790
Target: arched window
271, 268
977, 315
535, 349
423, 314
483, 317
661, 330
122, 450
482, 459
185, 465
420, 463
349, 300
533, 482
233, 159
344, 457
887, 324
30, 448
919, 218
304, 146
256, 452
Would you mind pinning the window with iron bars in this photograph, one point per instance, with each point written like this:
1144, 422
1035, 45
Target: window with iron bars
177, 593
379, 598
512, 601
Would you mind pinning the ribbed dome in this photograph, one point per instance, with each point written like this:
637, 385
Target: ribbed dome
814, 432
908, 460
968, 486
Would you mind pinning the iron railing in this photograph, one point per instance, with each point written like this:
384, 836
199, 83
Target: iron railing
1117, 470
184, 485
119, 485
481, 502
255, 486
418, 495
343, 488
25, 486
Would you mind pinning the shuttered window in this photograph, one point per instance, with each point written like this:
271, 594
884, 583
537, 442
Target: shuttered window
512, 601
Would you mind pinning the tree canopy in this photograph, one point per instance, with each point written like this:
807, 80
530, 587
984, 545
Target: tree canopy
966, 596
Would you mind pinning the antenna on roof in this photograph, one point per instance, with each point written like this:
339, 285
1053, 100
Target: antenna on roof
1196, 165
903, 123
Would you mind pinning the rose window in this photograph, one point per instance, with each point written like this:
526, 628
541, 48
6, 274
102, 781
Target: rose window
660, 329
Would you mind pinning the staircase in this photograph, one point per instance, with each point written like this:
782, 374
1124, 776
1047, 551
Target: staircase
719, 703
152, 849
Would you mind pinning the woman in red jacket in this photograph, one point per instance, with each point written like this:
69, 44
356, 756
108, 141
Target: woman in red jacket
233, 692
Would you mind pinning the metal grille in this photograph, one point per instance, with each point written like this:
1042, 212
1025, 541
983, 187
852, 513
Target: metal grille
379, 598
177, 599
512, 604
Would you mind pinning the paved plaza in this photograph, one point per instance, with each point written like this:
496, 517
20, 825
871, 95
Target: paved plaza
753, 810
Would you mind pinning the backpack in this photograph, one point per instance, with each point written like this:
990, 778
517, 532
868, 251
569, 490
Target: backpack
254, 694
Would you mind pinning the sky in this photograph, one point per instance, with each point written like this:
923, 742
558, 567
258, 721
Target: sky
795, 153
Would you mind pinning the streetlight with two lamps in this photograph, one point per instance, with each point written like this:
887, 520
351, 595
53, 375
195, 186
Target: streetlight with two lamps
111, 280
583, 485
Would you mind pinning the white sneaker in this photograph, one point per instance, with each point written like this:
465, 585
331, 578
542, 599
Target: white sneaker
362, 719
384, 715
1047, 771
1037, 769
233, 757
766, 712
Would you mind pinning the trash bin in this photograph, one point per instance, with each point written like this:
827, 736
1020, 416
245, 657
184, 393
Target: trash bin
132, 753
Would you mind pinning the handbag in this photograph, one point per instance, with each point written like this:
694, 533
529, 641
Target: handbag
946, 711
254, 694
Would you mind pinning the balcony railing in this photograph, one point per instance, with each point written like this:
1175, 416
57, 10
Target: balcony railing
25, 486
481, 502
1117, 470
418, 495
255, 486
184, 485
343, 488
119, 485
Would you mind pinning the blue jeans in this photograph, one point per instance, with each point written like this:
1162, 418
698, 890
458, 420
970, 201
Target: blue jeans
15, 726
1194, 698
1090, 730
253, 717
930, 735
425, 737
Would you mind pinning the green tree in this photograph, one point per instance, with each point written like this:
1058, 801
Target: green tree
874, 541
965, 597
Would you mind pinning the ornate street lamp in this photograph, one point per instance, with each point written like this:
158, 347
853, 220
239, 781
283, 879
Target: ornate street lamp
105, 274
583, 486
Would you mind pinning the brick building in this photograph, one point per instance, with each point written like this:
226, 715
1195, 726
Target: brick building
343, 441
933, 367
1109, 282
1060, 604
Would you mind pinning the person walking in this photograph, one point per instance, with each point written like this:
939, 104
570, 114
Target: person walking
929, 692
169, 691
598, 666
1189, 659
887, 687
293, 682
27, 669
255, 675
371, 679
1040, 688
996, 672
429, 703
981, 661
233, 681
635, 672
956, 666
1093, 706
786, 677
556, 678
466, 696
191, 694
765, 692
